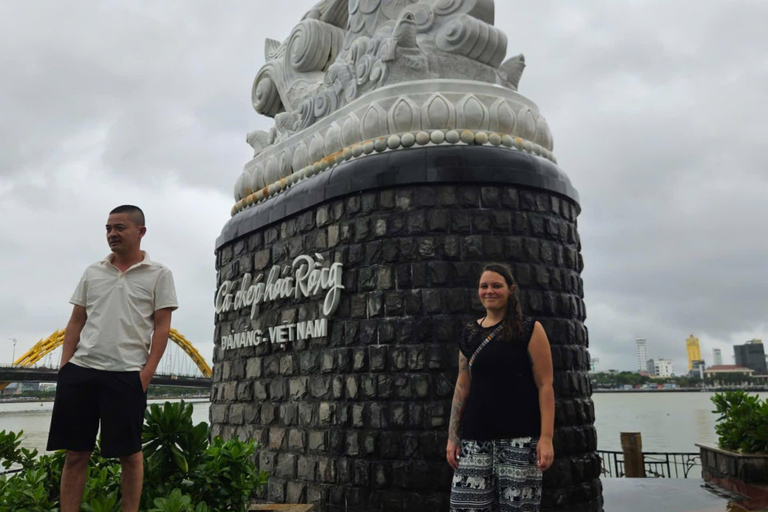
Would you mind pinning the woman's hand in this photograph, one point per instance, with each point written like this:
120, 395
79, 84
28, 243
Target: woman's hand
452, 451
545, 453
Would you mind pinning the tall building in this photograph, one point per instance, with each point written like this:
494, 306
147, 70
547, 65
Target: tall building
694, 350
642, 354
751, 355
662, 368
718, 357
697, 369
650, 367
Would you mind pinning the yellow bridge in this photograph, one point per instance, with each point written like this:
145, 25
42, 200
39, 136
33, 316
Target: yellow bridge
55, 340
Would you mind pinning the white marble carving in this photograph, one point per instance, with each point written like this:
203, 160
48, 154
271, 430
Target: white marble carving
357, 77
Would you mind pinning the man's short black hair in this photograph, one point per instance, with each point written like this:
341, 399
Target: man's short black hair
137, 216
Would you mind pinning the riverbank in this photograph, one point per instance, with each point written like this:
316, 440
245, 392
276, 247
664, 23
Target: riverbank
757, 389
174, 398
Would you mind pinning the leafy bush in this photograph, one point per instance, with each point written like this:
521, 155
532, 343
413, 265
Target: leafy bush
172, 445
35, 487
177, 502
27, 492
743, 422
184, 470
12, 454
179, 457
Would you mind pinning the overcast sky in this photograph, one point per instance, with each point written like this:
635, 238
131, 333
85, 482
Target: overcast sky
658, 109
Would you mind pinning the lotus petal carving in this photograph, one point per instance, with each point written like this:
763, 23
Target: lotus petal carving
503, 119
285, 167
350, 132
404, 116
472, 113
271, 170
240, 187
333, 142
527, 124
300, 156
256, 179
374, 122
316, 148
439, 113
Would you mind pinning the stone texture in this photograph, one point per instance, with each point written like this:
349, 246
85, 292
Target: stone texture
358, 421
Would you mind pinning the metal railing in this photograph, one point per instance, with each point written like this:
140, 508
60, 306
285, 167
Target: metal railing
656, 464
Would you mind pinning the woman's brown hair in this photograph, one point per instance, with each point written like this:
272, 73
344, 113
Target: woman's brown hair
513, 318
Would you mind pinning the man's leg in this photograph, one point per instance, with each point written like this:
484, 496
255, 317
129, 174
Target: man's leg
123, 401
74, 423
132, 478
73, 480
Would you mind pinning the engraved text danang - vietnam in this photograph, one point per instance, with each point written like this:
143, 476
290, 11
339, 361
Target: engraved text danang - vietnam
306, 277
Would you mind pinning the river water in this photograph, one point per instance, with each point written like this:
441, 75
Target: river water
34, 418
668, 422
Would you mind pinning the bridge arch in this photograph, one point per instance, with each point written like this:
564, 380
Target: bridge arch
55, 340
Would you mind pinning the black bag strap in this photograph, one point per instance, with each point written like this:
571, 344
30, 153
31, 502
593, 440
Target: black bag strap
487, 340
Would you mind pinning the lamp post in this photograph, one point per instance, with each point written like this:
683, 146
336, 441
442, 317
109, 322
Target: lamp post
13, 358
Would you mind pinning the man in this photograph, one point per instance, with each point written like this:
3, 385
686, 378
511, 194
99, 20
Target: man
114, 340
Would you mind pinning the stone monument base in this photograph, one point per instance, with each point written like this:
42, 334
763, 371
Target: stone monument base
357, 420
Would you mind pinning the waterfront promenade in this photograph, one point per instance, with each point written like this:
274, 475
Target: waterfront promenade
669, 422
670, 495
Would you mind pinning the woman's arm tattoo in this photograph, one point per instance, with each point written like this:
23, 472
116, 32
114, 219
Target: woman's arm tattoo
459, 398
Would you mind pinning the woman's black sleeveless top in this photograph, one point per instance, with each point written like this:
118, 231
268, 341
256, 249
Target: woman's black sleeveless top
503, 399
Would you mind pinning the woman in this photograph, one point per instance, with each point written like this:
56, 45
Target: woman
503, 414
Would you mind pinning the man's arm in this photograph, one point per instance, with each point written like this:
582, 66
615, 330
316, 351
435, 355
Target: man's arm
159, 342
72, 334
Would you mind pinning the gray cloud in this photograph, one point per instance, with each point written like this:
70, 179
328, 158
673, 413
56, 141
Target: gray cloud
658, 111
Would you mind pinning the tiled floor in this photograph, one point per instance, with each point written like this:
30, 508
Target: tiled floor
660, 495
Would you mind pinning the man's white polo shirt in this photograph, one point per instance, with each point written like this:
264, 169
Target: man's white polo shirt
120, 308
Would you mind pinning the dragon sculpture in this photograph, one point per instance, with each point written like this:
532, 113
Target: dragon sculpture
344, 52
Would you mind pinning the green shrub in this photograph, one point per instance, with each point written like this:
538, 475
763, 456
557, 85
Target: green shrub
27, 492
35, 488
177, 502
179, 456
743, 421
11, 452
184, 470
172, 445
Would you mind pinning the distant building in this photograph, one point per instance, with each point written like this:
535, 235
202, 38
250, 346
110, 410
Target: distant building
662, 368
718, 356
16, 388
697, 369
751, 355
693, 349
650, 367
715, 372
642, 354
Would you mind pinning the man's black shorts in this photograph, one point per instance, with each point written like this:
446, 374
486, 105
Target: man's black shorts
83, 397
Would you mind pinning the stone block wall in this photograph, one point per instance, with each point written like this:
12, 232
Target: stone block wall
357, 421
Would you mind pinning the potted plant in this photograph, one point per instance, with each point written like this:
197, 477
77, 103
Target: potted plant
741, 457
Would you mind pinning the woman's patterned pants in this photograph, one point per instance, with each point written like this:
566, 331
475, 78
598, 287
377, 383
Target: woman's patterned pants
499, 475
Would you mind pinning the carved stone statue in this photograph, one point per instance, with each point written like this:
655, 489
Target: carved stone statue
354, 71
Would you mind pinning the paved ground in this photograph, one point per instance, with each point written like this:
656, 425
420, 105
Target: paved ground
665, 495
